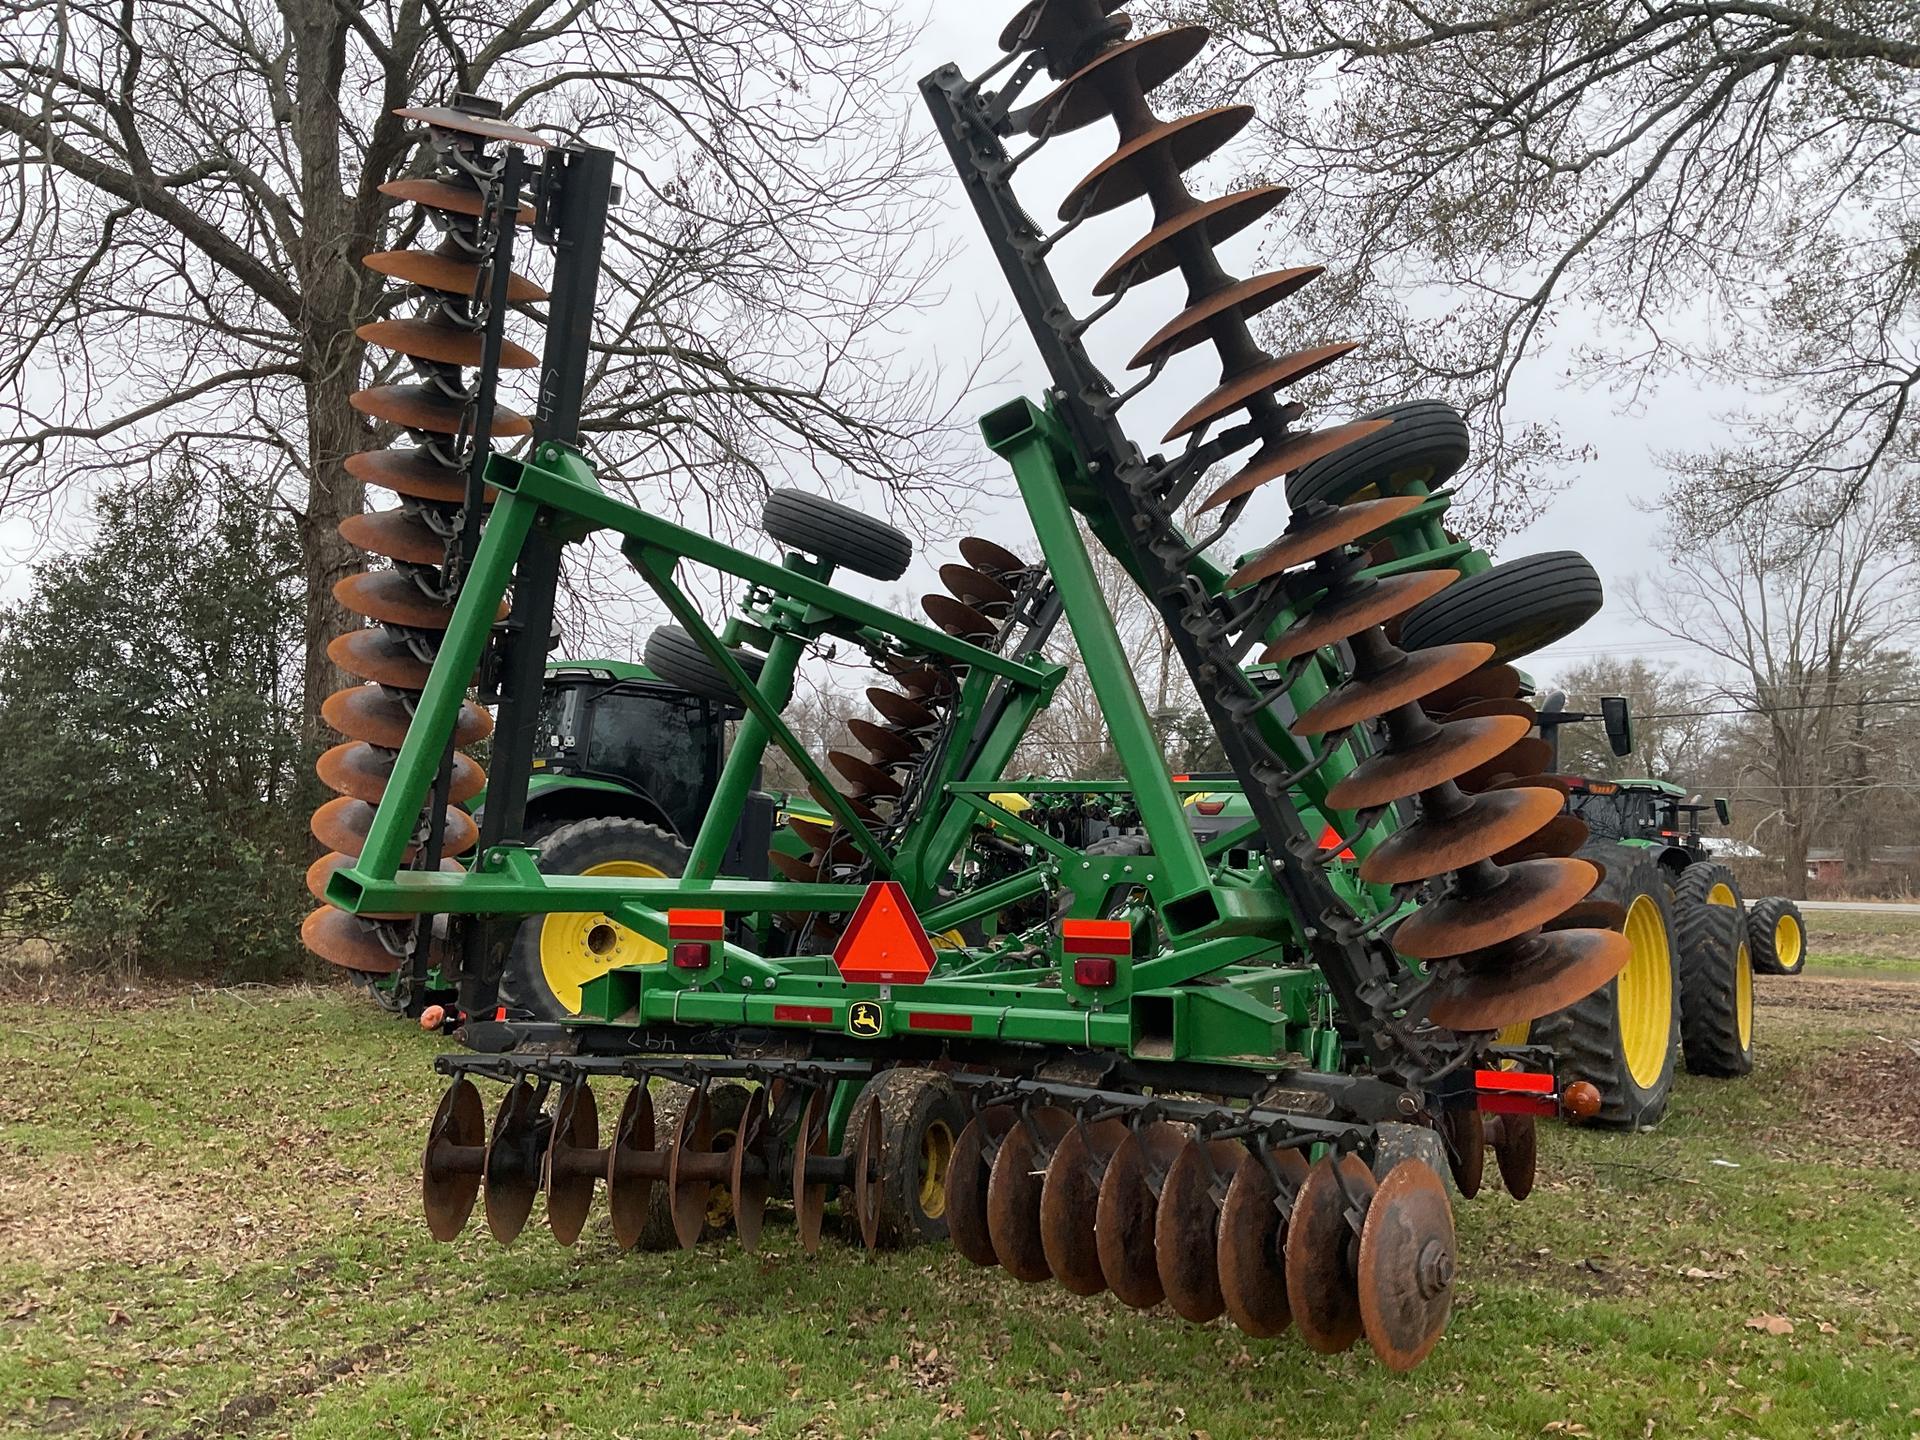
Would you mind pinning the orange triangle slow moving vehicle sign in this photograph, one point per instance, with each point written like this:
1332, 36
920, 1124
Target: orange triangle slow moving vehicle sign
884, 943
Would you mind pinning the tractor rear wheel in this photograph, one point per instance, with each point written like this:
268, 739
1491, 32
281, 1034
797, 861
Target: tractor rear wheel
554, 955
920, 1120
676, 657
1776, 936
1426, 443
837, 534
1625, 1037
1716, 972
729, 1102
1518, 607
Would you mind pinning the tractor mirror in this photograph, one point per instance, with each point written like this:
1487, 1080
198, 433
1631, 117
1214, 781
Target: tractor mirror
1720, 809
1613, 711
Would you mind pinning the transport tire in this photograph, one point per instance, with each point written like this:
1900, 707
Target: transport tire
1518, 606
676, 657
837, 534
1716, 972
729, 1102
1624, 1038
1394, 1142
554, 955
1776, 936
1425, 445
920, 1119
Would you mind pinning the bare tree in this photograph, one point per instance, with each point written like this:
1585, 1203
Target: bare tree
1724, 186
1673, 728
189, 191
1805, 615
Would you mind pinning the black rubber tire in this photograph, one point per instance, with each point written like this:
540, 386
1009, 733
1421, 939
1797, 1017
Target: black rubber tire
1394, 1142
836, 533
676, 657
1716, 975
729, 1102
1518, 606
1426, 444
916, 1107
1764, 920
1589, 1037
573, 849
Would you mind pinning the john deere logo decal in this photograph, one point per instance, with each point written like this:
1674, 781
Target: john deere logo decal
863, 1018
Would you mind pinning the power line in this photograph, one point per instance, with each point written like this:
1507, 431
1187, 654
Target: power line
1780, 709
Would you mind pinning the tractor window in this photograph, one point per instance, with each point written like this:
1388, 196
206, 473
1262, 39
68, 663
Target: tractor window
662, 744
559, 722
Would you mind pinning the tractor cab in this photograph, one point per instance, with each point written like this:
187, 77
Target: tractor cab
1645, 811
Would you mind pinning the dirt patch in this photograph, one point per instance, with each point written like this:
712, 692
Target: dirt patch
1867, 1092
243, 1412
1895, 997
59, 1218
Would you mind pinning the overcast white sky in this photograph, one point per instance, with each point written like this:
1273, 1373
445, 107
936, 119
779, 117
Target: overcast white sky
1596, 513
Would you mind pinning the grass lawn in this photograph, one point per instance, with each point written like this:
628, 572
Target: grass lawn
208, 1227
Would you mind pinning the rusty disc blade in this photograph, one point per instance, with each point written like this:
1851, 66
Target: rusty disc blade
1124, 1217
1284, 454
1309, 537
1514, 1139
977, 589
887, 746
809, 1199
1125, 174
446, 274
1014, 1188
1590, 914
1135, 67
343, 940
376, 654
1417, 675
855, 803
454, 199
1053, 24
1407, 1253
1464, 1132
1217, 220
801, 872
900, 711
1322, 1288
381, 717
1275, 373
576, 1129
414, 473
1561, 835
1186, 1227
1473, 709
750, 1184
1549, 972
1526, 897
1528, 756
362, 771
343, 825
1068, 1199
963, 622
397, 534
421, 407
443, 344
969, 1173
485, 127
449, 1181
1252, 1253
1395, 773
1433, 845
867, 778
391, 597
996, 560
628, 1191
821, 839
1366, 604
1244, 299
867, 1161
1486, 682
512, 1176
920, 681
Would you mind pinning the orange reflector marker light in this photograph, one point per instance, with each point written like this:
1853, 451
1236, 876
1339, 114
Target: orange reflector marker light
804, 1014
939, 1020
1329, 838
433, 1017
1581, 1100
1096, 937
1519, 1082
884, 943
696, 924
1209, 807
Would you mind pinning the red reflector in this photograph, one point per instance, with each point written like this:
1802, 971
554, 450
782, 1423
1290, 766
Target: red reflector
1096, 937
884, 943
1331, 837
500, 1012
1530, 1082
1209, 807
1094, 971
692, 955
804, 1014
697, 924
1506, 1103
938, 1020
1181, 779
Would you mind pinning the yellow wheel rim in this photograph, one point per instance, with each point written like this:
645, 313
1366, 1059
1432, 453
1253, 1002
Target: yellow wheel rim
1787, 942
936, 1153
1721, 894
577, 948
1743, 997
1643, 995
720, 1197
1514, 1034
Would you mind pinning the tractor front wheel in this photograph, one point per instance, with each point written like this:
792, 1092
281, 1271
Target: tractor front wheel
920, 1120
1776, 936
1716, 972
554, 955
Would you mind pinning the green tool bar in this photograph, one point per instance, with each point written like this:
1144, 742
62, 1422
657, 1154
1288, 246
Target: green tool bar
514, 891
1189, 786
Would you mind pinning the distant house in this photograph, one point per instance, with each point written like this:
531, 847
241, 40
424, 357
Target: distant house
1830, 866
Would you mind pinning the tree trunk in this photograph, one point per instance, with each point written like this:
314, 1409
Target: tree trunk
1793, 883
334, 431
